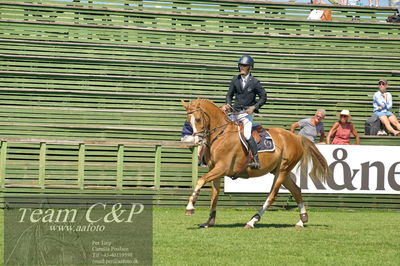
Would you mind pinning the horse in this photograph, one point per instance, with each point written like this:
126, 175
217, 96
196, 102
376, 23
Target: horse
225, 155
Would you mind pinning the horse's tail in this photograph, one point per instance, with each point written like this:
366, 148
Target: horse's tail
320, 169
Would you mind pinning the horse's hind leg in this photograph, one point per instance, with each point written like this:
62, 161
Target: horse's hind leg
296, 192
216, 186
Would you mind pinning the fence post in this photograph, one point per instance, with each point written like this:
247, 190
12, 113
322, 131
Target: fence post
42, 164
195, 165
81, 166
157, 167
120, 166
3, 161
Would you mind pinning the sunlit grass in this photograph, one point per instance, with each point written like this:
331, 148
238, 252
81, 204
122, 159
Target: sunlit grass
336, 237
332, 237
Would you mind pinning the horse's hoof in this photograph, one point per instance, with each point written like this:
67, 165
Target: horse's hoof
189, 212
205, 225
304, 217
299, 225
248, 226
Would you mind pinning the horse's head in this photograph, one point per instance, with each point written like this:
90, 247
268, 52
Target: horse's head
199, 120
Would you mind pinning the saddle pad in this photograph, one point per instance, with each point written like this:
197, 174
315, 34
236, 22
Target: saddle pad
266, 143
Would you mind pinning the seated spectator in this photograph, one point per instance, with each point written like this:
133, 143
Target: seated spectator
376, 3
187, 132
341, 130
318, 2
311, 127
351, 2
187, 136
382, 105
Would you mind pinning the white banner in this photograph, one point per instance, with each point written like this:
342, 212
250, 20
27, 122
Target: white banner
361, 169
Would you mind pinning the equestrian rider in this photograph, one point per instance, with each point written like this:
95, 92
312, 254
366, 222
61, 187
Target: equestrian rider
245, 88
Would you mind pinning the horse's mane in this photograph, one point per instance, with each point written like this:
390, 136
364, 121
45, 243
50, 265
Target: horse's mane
202, 101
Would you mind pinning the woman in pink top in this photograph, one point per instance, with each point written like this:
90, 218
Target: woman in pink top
342, 129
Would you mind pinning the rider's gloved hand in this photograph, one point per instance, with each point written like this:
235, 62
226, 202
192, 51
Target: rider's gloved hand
226, 108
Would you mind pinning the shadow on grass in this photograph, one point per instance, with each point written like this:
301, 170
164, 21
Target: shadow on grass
241, 225
257, 226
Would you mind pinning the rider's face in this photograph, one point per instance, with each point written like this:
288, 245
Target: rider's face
244, 69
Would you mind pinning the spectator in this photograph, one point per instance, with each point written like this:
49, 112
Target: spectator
187, 133
187, 136
351, 2
318, 2
341, 130
382, 104
311, 127
376, 3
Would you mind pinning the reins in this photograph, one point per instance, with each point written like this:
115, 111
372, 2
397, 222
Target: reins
205, 133
224, 125
220, 133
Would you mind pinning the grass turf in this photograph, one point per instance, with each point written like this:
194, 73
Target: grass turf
332, 237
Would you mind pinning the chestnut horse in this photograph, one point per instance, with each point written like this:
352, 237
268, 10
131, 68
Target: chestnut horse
226, 156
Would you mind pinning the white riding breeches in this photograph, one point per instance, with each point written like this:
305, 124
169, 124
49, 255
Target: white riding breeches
246, 119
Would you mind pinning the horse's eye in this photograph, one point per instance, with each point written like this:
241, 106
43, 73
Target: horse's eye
197, 120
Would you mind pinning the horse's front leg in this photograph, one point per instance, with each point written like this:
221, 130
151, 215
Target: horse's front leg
216, 184
213, 174
270, 200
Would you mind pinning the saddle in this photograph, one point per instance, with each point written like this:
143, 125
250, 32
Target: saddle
264, 140
256, 130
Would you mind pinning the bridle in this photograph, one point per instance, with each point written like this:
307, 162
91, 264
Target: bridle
206, 133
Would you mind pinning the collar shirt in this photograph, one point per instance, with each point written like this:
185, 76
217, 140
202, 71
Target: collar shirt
379, 101
244, 80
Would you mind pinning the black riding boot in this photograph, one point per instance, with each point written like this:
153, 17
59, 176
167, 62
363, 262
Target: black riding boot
253, 147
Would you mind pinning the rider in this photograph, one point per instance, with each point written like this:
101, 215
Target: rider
245, 88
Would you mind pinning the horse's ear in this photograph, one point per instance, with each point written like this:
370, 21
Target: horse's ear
184, 104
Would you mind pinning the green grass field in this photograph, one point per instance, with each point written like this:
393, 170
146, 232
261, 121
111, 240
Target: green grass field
332, 237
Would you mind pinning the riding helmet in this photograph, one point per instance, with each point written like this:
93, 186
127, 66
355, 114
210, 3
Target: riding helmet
246, 60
